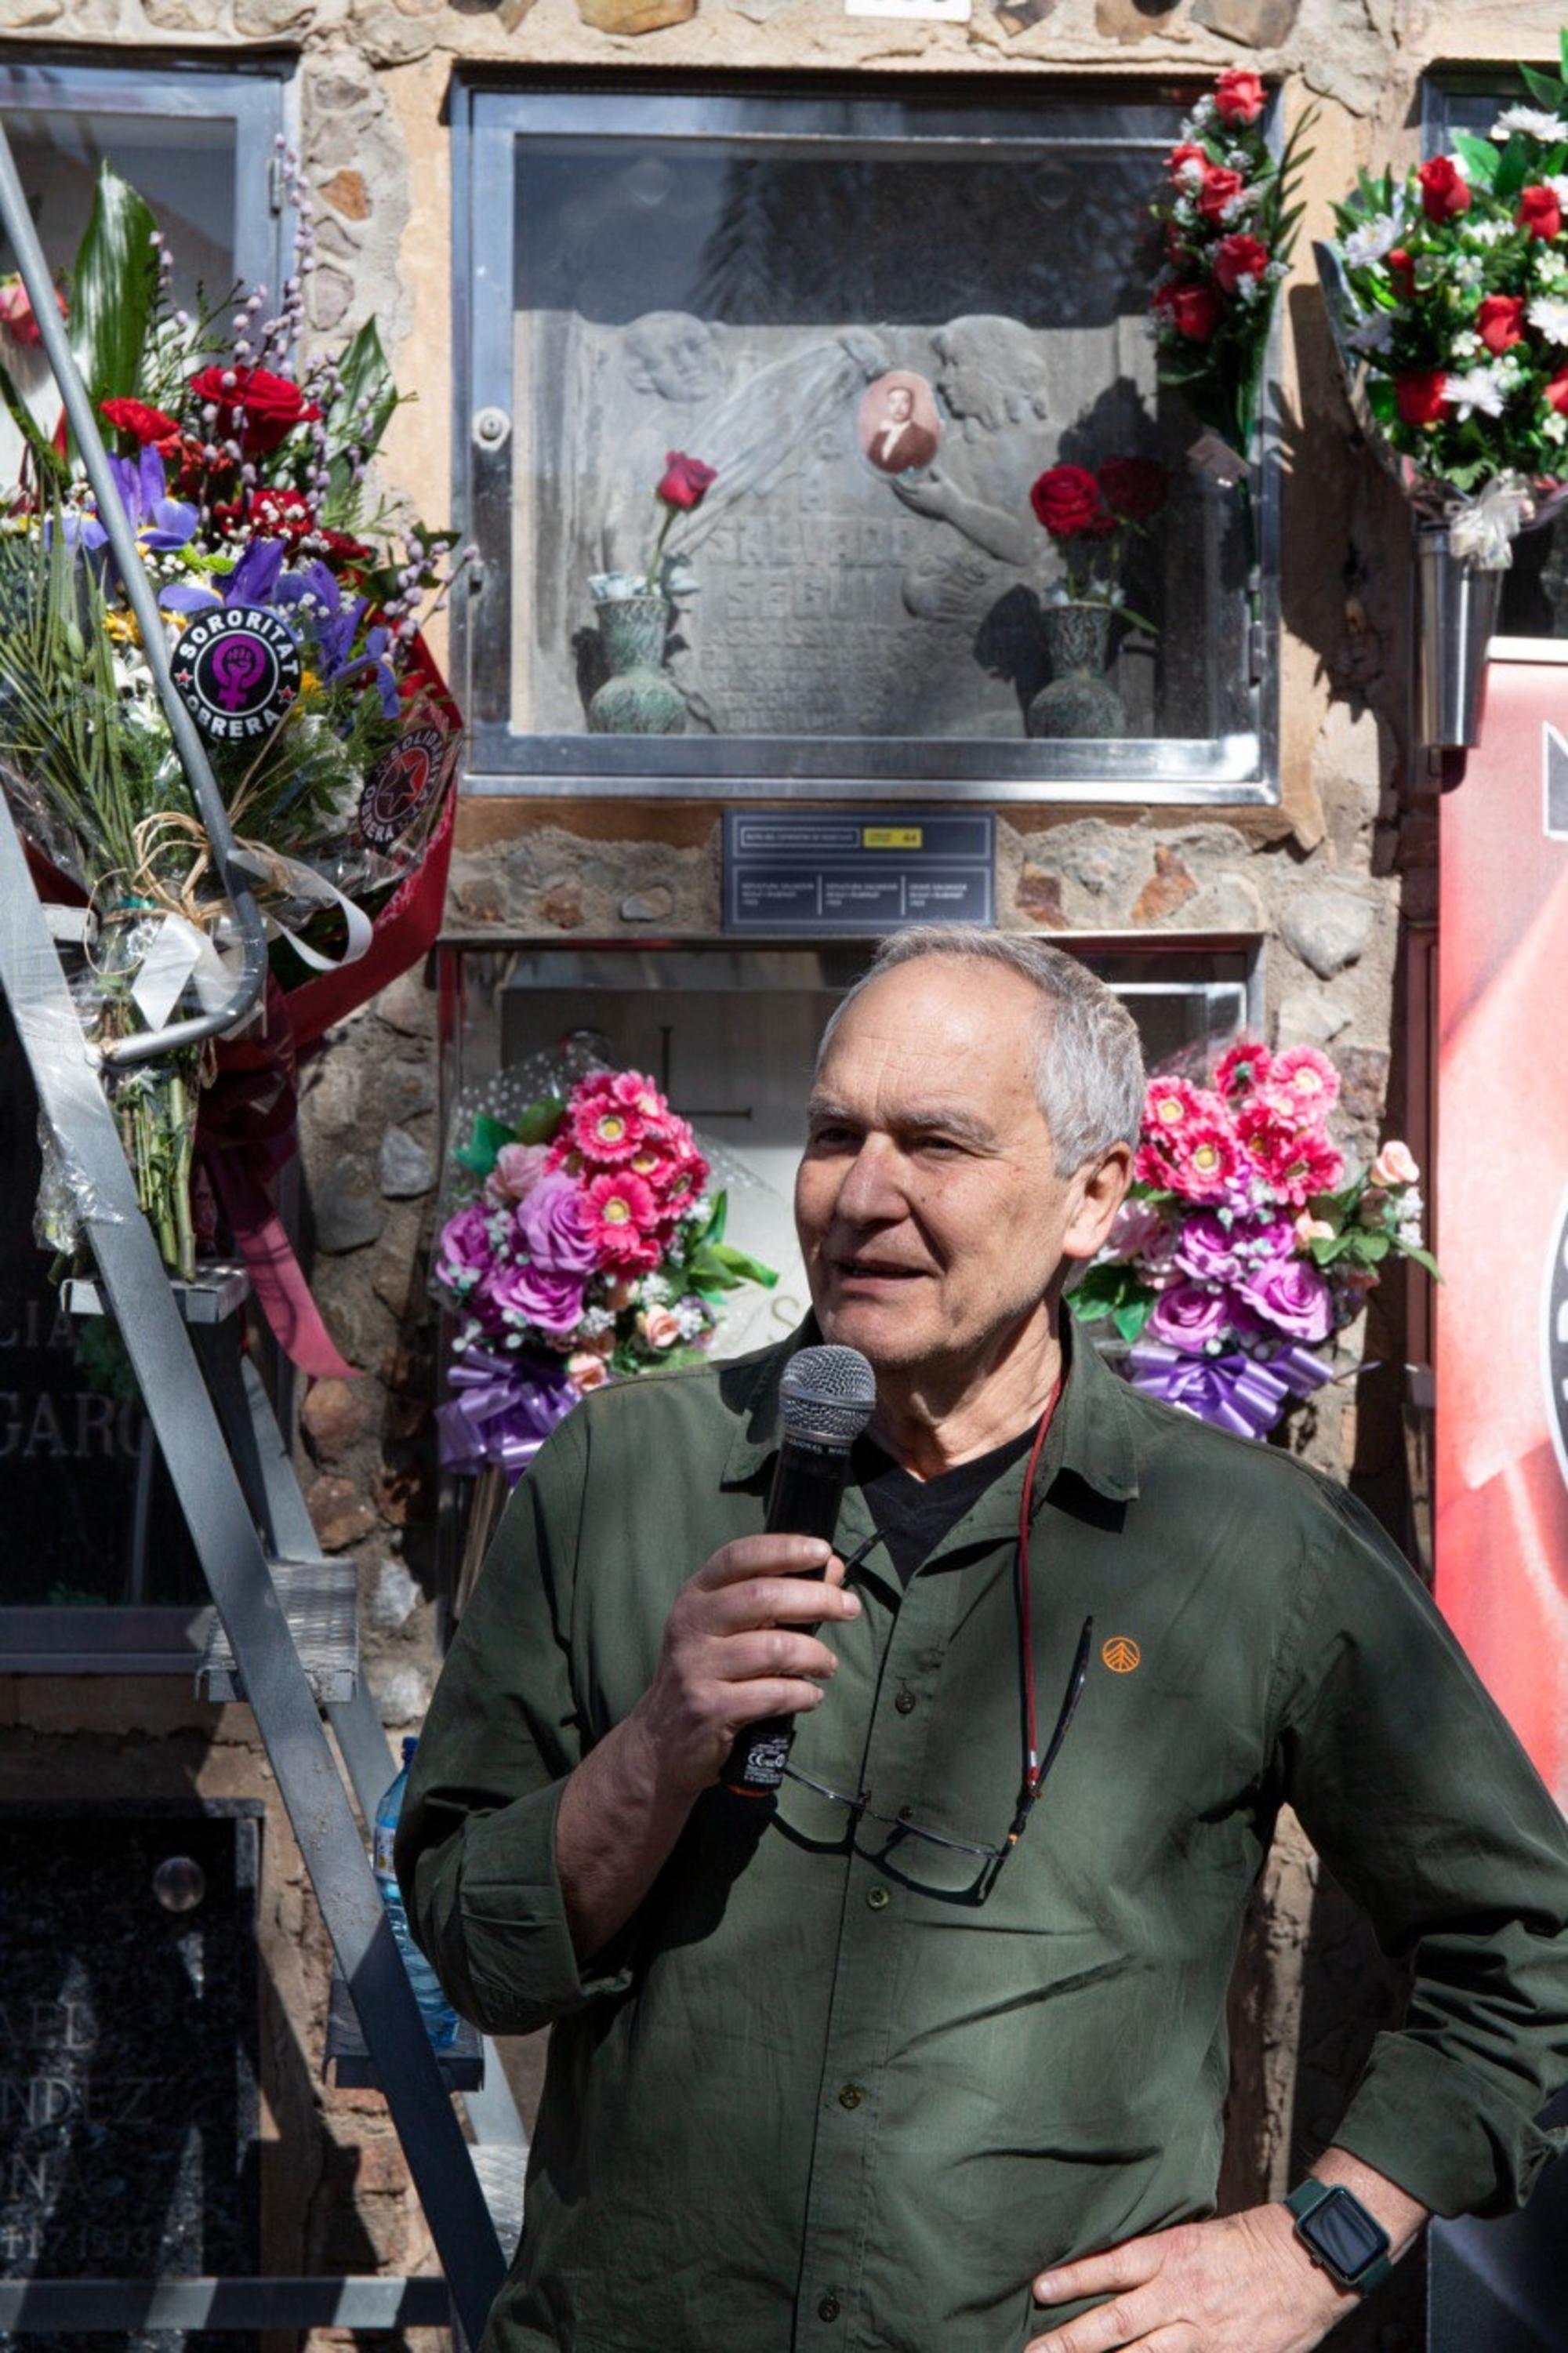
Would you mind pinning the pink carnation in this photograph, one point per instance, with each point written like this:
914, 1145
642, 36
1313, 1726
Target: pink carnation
1295, 1163
604, 1131
634, 1093
1172, 1104
1308, 1077
1205, 1161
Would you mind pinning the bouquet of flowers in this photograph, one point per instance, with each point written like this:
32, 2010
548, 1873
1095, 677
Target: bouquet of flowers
293, 626
1448, 294
1228, 226
1093, 518
586, 1248
1241, 1247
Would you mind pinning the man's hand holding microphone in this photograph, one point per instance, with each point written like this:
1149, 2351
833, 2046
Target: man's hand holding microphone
739, 1657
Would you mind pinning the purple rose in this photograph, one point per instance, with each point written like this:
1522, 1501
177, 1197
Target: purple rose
1294, 1296
550, 1300
465, 1250
550, 1227
1191, 1319
1207, 1251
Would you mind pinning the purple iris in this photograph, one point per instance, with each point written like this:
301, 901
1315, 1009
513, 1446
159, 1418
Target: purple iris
161, 523
256, 579
334, 621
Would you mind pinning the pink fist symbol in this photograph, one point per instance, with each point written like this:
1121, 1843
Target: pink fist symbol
237, 665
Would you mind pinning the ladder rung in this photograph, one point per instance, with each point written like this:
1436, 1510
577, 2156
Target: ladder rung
352, 2068
221, 1285
320, 1599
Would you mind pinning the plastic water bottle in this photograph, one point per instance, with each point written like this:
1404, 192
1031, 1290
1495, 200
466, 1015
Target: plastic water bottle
440, 2017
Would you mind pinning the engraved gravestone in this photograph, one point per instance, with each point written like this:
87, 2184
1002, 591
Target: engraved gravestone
91, 1517
128, 2051
738, 310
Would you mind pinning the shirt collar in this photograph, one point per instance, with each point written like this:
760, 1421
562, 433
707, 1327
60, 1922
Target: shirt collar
1092, 1433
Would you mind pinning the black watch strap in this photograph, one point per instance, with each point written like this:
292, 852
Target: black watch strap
1338, 2232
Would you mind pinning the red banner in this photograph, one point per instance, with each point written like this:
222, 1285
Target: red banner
1501, 1527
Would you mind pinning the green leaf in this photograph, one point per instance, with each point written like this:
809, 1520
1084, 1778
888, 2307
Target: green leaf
112, 289
740, 1265
1088, 1311
1131, 1318
366, 379
1325, 1250
1422, 1258
1544, 89
536, 1124
1515, 166
1481, 158
50, 464
713, 1231
479, 1154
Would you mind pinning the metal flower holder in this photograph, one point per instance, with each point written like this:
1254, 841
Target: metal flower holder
1459, 617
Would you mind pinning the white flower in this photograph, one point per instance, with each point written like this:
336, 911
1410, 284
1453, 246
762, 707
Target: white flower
1559, 187
1533, 121
1369, 243
1479, 391
1190, 175
1554, 426
1550, 269
1469, 272
1485, 232
1466, 345
655, 1290
1202, 114
1374, 335
1248, 288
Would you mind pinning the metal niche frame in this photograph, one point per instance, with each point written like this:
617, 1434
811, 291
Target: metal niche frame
488, 119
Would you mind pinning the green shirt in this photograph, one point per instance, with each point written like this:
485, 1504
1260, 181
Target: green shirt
801, 2105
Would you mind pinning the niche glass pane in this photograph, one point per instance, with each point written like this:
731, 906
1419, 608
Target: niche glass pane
878, 323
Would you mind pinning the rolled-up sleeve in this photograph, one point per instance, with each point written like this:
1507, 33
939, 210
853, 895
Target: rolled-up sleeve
475, 1842
1413, 1787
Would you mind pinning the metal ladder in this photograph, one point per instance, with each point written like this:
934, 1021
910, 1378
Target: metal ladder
285, 1639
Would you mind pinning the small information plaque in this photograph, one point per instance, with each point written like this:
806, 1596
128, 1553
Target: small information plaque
807, 872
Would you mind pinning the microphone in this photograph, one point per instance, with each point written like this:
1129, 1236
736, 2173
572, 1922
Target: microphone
825, 1402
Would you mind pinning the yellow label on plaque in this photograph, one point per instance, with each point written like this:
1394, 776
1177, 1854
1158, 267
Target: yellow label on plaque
892, 837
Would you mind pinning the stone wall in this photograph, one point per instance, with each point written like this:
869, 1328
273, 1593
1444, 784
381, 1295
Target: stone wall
1335, 877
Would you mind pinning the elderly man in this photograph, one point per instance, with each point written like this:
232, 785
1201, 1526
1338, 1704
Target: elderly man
909, 2064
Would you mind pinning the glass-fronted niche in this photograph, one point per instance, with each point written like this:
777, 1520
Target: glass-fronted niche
878, 319
197, 142
1535, 586
98, 1569
729, 1032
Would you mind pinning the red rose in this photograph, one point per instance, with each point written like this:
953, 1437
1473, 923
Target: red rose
1187, 153
1067, 500
1555, 394
272, 406
1401, 268
1194, 310
1422, 398
1540, 211
1222, 186
1238, 256
281, 513
1499, 321
1239, 96
686, 480
1133, 488
1444, 191
150, 425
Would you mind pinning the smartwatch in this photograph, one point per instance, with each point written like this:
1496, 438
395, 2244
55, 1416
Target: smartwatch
1339, 2233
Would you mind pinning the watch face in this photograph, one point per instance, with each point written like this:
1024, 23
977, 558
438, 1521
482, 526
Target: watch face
1344, 2235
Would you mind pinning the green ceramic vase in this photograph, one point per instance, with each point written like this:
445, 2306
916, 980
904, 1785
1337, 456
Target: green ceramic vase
1079, 698
639, 697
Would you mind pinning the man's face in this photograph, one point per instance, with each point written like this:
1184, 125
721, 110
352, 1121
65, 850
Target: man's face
931, 1217
900, 404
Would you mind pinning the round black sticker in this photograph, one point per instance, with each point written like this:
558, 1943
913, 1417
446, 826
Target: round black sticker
237, 671
401, 784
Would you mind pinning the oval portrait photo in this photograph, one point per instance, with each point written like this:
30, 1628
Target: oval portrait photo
898, 426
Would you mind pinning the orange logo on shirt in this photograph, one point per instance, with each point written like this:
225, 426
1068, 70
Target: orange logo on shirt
1121, 1654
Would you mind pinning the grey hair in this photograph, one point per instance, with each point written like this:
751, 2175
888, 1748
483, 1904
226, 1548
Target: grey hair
1087, 1057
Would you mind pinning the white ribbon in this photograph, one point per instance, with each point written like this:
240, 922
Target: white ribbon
300, 882
1482, 529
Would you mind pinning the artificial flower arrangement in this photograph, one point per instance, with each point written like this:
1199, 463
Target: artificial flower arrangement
1228, 225
293, 622
1242, 1249
586, 1248
1093, 518
1448, 293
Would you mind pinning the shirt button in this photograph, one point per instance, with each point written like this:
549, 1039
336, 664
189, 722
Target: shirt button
877, 1898
829, 2308
850, 2096
905, 1699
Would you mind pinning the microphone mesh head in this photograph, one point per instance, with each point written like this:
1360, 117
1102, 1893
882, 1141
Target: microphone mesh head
827, 1393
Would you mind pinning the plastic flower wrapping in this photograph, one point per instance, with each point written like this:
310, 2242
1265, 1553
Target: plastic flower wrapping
1242, 1247
580, 1242
1227, 226
1447, 292
292, 602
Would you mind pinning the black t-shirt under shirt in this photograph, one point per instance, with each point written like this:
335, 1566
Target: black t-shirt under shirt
912, 1516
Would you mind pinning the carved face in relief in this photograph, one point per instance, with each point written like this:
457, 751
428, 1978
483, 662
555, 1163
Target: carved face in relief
674, 355
991, 372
